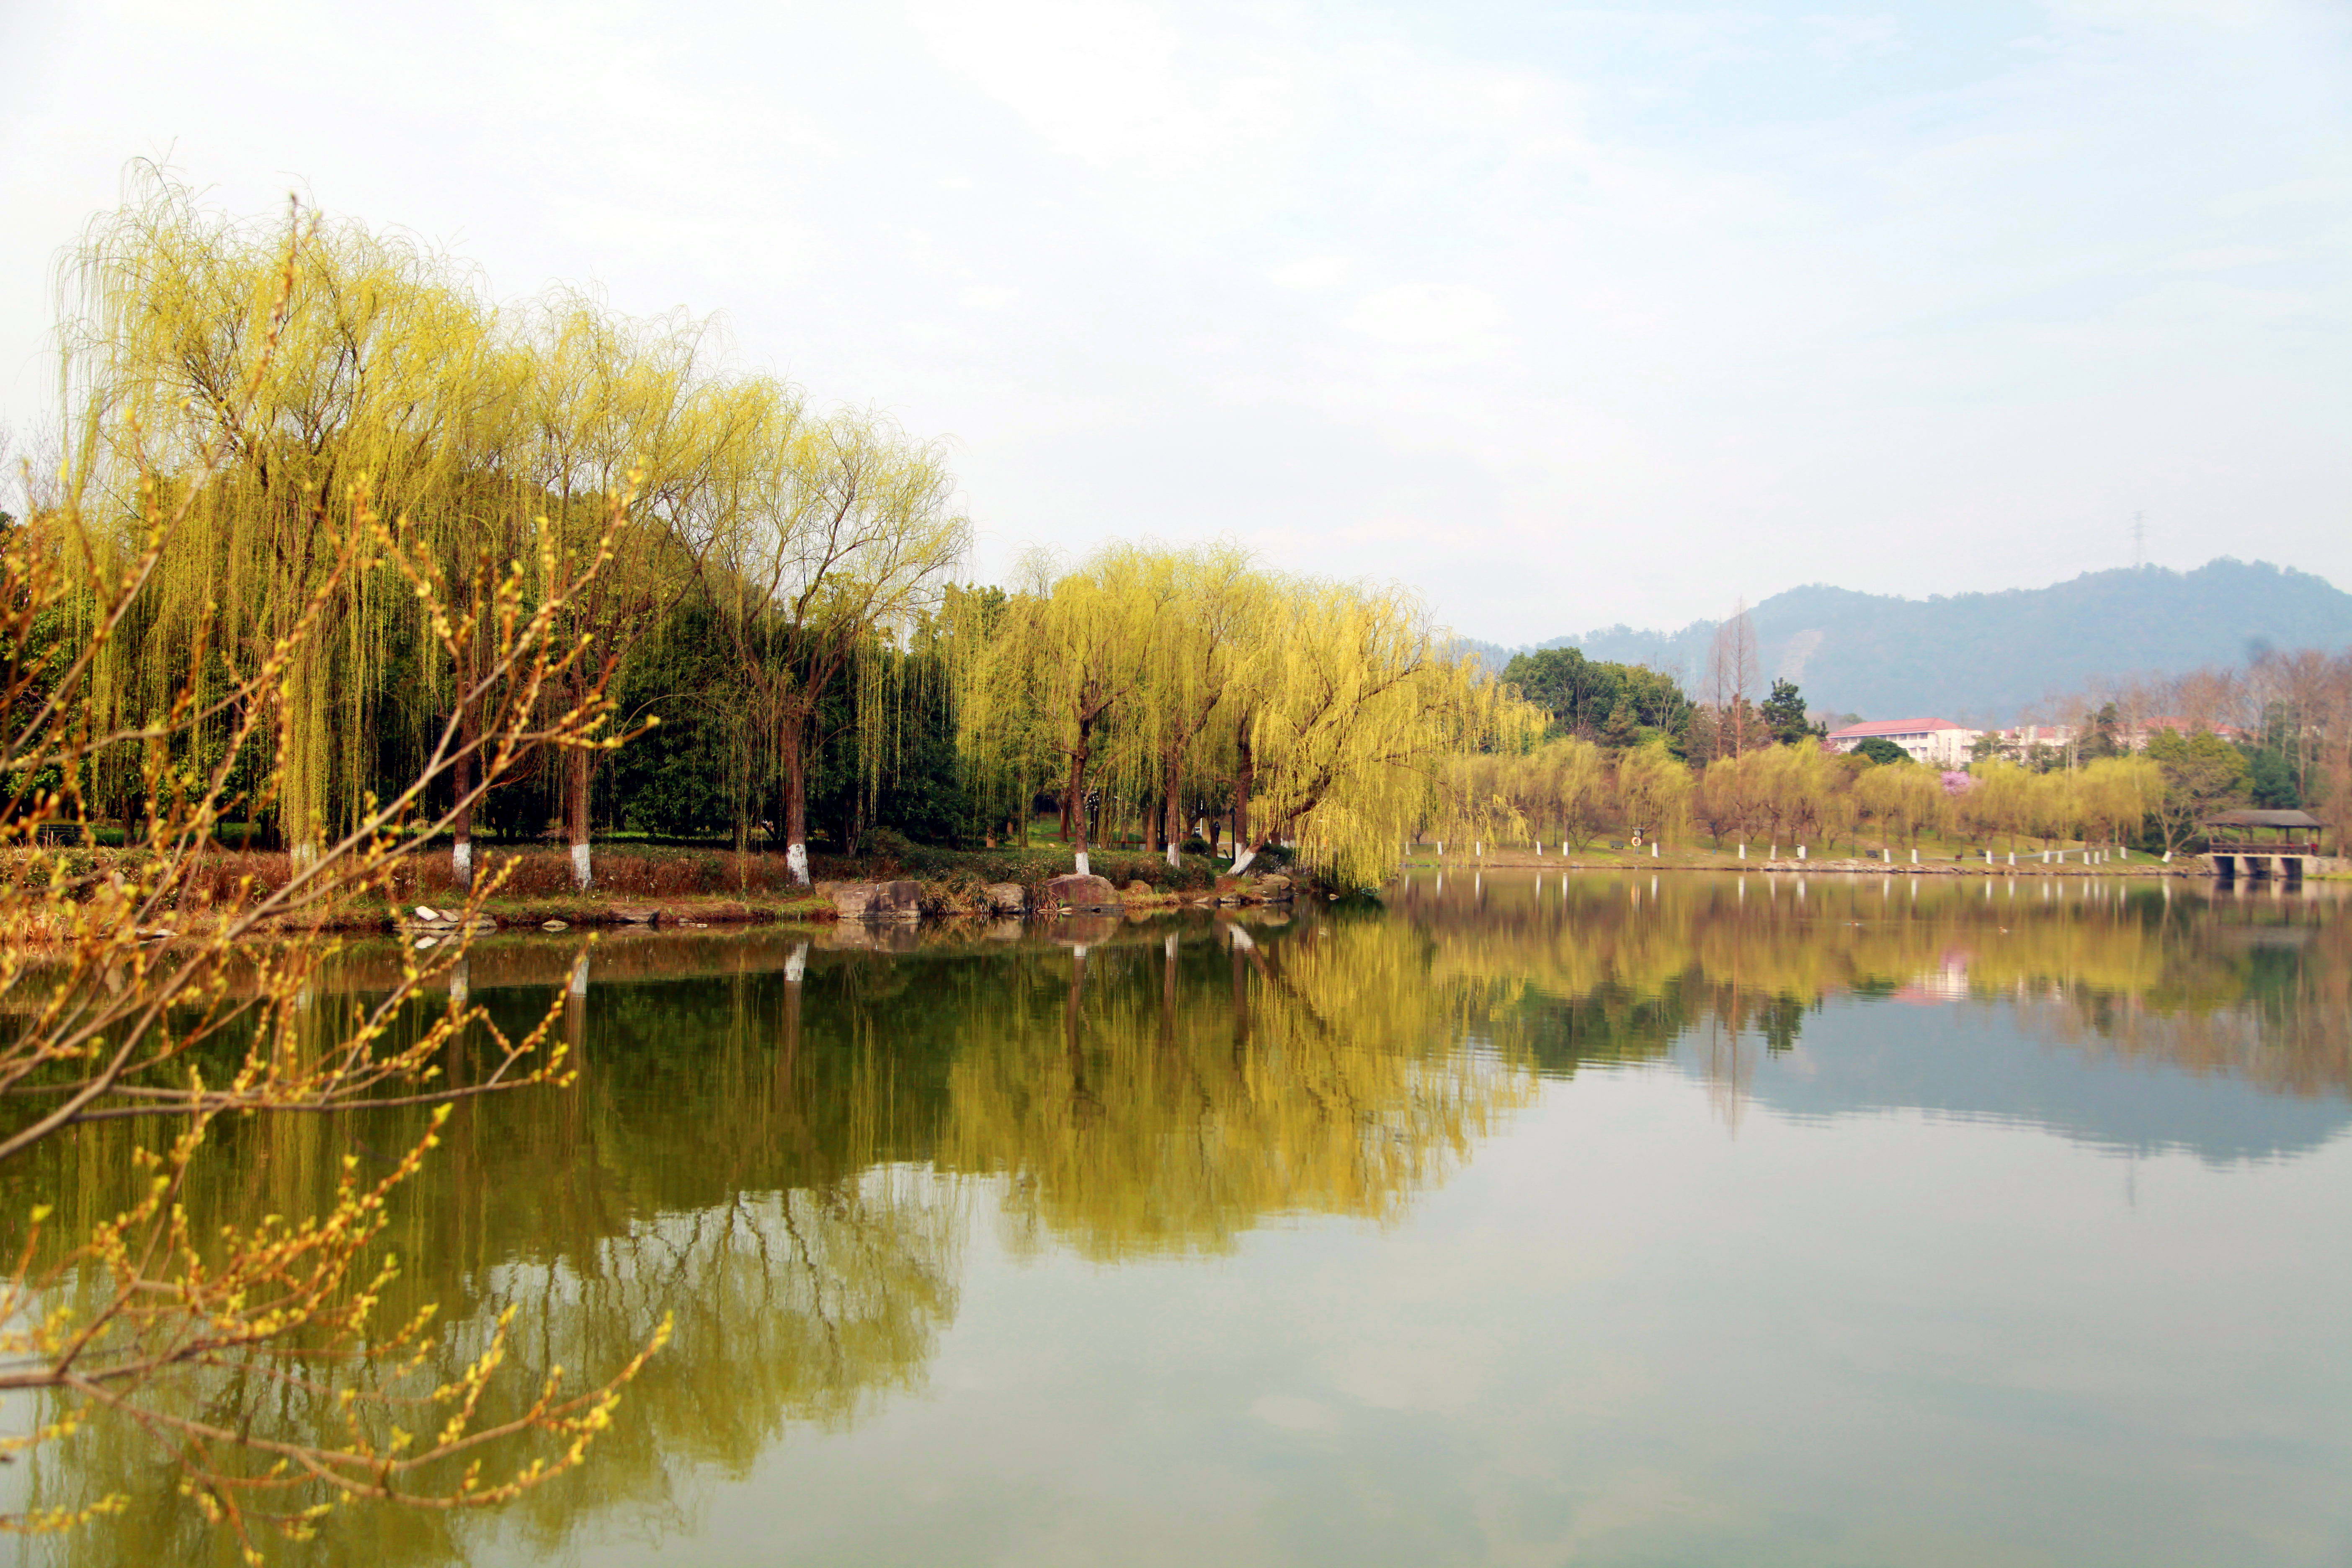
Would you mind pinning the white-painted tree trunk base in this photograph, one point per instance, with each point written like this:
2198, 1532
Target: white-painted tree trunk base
1243, 864
1172, 855
796, 862
580, 867
1084, 870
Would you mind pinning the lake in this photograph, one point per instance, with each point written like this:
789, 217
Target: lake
1690, 1219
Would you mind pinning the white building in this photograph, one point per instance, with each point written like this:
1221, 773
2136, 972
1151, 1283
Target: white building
1938, 743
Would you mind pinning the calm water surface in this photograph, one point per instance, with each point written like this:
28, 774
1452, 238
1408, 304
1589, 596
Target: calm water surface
1693, 1221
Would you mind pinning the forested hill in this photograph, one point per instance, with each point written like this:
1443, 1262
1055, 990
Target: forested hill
1985, 656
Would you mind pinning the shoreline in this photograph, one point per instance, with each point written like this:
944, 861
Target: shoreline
1517, 861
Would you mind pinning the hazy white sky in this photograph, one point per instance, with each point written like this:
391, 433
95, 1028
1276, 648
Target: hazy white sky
1565, 315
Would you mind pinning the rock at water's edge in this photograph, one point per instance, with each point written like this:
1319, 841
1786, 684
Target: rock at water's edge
900, 900
1083, 893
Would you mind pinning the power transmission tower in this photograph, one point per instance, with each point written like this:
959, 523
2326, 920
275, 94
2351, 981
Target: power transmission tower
2139, 540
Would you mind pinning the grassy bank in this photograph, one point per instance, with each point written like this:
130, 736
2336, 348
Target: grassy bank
676, 885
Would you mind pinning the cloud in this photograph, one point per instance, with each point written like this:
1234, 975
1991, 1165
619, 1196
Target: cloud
1565, 316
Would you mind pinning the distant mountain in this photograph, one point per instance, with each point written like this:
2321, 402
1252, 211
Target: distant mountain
1983, 658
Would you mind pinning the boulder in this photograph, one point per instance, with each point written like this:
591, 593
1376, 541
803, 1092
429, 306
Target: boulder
900, 900
1007, 898
1083, 893
1139, 889
1273, 890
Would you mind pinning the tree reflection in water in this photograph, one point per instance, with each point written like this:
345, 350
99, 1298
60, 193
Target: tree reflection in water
780, 1138
1192, 1089
1583, 970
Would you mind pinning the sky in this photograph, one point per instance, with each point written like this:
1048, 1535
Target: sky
1565, 316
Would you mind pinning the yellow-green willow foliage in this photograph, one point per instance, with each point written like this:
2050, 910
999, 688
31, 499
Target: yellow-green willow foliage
1653, 791
1197, 663
379, 388
355, 373
1480, 798
1560, 790
1075, 648
1318, 713
2099, 803
1724, 798
1352, 709
2114, 794
1900, 799
1563, 789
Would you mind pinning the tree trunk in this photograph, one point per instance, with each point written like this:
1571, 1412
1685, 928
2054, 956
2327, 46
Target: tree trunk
461, 852
578, 765
1172, 803
1074, 798
1245, 772
792, 749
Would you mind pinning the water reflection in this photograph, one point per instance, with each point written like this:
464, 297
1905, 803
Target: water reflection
1831, 993
784, 1137
781, 1147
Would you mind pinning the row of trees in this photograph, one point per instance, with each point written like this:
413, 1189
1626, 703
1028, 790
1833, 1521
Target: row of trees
1166, 687
362, 376
1568, 789
781, 602
2288, 716
776, 622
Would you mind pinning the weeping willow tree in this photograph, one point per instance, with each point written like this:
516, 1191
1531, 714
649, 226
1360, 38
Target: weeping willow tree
836, 543
1321, 713
1192, 666
614, 404
1653, 791
1075, 648
351, 374
1346, 720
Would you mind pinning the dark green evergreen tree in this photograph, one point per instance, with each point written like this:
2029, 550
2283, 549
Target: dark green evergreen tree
1784, 713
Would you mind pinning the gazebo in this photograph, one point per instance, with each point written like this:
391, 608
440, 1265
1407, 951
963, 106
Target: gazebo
2234, 842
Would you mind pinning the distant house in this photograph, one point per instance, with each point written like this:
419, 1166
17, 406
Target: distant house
1938, 741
